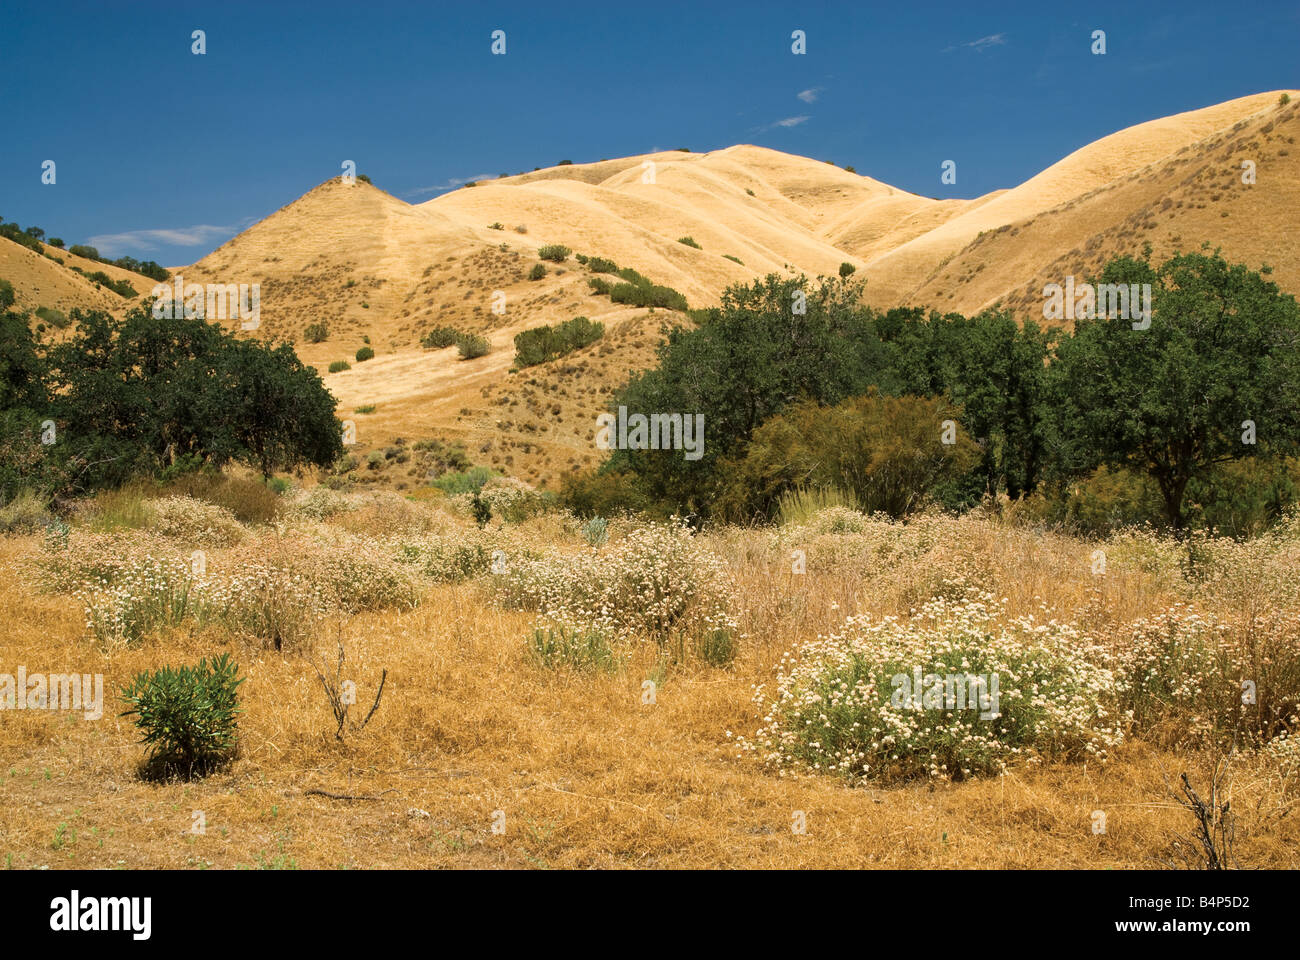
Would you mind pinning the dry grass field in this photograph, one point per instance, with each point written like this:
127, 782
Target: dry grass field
483, 754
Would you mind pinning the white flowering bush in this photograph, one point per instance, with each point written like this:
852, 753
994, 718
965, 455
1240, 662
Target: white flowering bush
1284, 752
194, 521
658, 582
144, 594
447, 557
275, 589
1192, 678
839, 708
321, 503
1170, 673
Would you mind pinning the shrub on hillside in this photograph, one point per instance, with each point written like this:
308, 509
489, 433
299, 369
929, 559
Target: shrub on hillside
690, 242
542, 344
364, 354
55, 318
647, 296
556, 252
338, 366
316, 332
439, 337
537, 272
471, 346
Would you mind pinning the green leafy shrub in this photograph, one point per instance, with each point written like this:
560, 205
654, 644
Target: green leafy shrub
555, 252
364, 354
846, 269
456, 482
316, 332
542, 344
471, 346
439, 337
690, 242
647, 296
55, 318
601, 265
187, 715
734, 259
537, 272
337, 366
598, 286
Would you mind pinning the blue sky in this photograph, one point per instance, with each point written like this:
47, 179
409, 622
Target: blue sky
164, 155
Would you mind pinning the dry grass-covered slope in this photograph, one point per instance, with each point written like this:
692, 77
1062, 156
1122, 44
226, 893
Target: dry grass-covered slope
380, 271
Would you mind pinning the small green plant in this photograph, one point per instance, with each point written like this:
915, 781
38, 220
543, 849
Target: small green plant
580, 649
187, 715
595, 532
601, 265
749, 191
316, 333
846, 269
599, 287
364, 408
481, 509
555, 252
736, 259
690, 242
495, 226
1283, 100
337, 366
717, 647
364, 354
537, 272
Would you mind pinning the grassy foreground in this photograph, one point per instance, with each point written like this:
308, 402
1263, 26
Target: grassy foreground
483, 753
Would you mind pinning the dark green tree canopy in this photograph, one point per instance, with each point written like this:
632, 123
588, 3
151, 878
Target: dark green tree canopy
1215, 377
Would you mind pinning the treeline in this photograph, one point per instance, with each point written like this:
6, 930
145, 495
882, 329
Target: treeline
139, 395
33, 239
1188, 420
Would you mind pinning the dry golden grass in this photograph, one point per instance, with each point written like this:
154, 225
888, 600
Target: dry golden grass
585, 773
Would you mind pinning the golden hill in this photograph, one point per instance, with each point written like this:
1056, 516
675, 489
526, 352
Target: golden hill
380, 271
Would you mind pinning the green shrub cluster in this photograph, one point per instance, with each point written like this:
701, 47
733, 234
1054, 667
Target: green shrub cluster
439, 337
541, 344
471, 346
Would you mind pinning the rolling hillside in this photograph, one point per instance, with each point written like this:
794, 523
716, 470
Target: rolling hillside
380, 271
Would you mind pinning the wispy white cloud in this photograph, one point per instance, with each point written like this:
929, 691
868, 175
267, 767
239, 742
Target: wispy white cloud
787, 122
146, 240
809, 95
451, 184
983, 43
